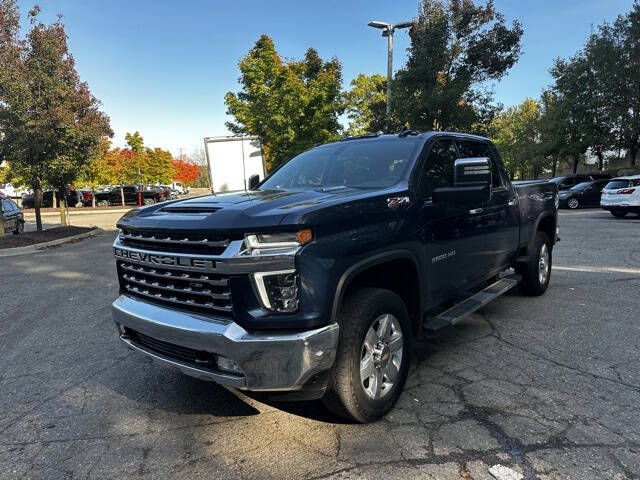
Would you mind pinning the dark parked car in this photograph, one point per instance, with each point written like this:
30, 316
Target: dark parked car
112, 196
569, 181
12, 216
585, 194
74, 198
315, 282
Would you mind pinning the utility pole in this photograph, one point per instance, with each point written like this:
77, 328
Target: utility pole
387, 31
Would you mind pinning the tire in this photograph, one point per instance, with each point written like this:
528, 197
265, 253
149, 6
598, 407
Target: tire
102, 203
19, 228
148, 201
363, 310
573, 203
618, 213
534, 283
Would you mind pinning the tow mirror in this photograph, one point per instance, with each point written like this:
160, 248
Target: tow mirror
471, 180
254, 180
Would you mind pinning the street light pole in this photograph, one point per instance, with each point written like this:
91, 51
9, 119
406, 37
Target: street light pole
387, 31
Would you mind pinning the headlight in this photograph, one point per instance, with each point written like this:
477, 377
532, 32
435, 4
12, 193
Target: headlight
274, 243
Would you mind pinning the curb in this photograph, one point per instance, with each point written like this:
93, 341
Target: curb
32, 216
12, 252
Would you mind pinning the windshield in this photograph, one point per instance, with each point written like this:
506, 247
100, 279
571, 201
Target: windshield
580, 186
370, 164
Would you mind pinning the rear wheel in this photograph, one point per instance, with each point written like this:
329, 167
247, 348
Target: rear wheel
573, 203
102, 203
374, 351
618, 213
536, 273
148, 201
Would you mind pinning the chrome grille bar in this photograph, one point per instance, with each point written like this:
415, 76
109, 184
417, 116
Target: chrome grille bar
167, 240
171, 288
174, 300
172, 275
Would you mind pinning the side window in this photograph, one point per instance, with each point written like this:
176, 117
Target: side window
437, 171
471, 149
6, 206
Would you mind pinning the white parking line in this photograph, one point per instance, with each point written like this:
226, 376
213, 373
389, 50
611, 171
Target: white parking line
633, 271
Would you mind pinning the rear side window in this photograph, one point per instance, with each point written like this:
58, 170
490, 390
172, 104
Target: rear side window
616, 184
438, 168
470, 149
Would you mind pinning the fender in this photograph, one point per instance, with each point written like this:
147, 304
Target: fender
369, 262
536, 226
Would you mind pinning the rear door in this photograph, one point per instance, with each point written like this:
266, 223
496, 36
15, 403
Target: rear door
498, 219
447, 232
593, 192
9, 216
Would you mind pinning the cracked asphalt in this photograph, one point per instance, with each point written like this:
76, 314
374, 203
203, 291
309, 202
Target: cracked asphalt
548, 387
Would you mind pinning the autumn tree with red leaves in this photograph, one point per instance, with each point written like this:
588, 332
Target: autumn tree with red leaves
186, 172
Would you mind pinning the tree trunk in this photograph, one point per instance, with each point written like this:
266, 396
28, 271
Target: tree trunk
122, 196
554, 166
600, 160
1, 222
576, 160
93, 199
61, 204
54, 200
37, 204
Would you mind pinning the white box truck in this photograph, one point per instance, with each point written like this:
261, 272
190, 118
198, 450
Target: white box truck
232, 160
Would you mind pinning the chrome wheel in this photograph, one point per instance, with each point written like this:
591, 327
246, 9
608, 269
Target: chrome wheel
543, 264
381, 356
572, 203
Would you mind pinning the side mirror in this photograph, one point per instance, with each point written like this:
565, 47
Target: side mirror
254, 180
471, 180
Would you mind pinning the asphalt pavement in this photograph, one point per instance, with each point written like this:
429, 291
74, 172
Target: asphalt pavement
547, 387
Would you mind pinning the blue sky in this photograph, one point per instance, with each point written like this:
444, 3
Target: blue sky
163, 67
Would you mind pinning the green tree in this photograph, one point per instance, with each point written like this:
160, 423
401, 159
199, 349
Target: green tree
50, 123
291, 104
365, 104
455, 50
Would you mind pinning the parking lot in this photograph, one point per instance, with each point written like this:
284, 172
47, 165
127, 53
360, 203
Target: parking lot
547, 386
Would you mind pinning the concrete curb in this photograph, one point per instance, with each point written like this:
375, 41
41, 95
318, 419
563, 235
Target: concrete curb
12, 252
32, 216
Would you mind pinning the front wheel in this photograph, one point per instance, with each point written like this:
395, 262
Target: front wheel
536, 273
374, 352
102, 203
148, 201
19, 228
573, 203
618, 213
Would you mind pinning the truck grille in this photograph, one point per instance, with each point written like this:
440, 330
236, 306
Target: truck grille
182, 290
174, 241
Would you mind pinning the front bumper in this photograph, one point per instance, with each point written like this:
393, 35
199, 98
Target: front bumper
269, 361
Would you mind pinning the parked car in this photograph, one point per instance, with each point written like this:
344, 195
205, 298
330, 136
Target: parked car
585, 194
315, 282
113, 197
569, 181
28, 199
12, 216
621, 196
172, 193
181, 189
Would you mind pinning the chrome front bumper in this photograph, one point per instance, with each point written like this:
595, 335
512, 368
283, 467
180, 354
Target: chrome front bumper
270, 361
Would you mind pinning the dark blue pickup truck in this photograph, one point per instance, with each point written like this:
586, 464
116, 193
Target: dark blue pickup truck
314, 282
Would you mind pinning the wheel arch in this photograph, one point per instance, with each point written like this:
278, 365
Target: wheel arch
546, 223
367, 272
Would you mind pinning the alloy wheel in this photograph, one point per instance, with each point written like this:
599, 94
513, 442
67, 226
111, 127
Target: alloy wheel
381, 356
543, 264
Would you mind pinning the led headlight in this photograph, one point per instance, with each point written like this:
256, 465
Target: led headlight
278, 291
273, 243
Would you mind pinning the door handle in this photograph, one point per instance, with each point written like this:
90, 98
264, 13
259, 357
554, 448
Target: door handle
475, 211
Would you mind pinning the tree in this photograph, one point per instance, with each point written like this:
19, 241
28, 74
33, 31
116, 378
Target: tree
50, 123
160, 167
185, 172
291, 104
516, 135
365, 104
455, 50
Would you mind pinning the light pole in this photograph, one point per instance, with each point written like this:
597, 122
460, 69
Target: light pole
387, 31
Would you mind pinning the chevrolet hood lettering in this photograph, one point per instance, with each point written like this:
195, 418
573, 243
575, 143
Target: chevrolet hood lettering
163, 260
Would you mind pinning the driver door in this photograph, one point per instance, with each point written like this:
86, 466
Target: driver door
448, 233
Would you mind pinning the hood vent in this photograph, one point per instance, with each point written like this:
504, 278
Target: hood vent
193, 209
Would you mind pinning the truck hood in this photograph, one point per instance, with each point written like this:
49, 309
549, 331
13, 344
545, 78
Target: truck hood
240, 211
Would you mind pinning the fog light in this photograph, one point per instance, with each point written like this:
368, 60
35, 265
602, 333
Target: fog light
278, 290
228, 365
